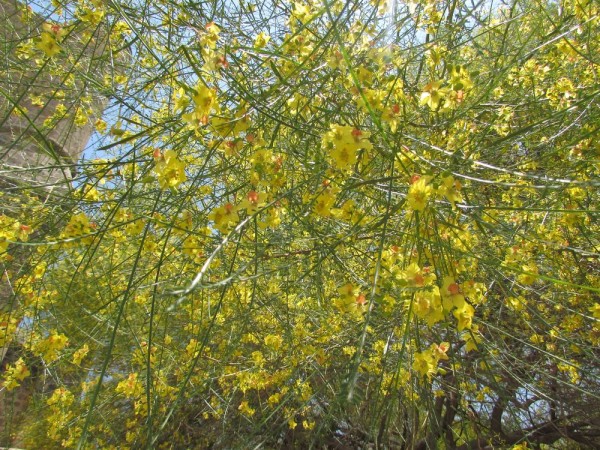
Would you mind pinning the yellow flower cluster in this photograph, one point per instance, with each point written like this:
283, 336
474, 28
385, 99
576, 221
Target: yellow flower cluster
253, 202
342, 142
450, 188
261, 40
224, 217
425, 362
351, 300
51, 36
324, 202
205, 102
12, 230
418, 193
80, 354
79, 226
453, 298
169, 170
50, 348
8, 327
15, 374
130, 387
427, 305
60, 414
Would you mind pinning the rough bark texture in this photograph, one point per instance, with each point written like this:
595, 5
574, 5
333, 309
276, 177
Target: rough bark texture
36, 155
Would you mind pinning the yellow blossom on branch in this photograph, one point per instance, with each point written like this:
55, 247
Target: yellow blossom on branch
253, 202
343, 142
50, 347
432, 95
261, 40
324, 203
464, 315
48, 45
417, 277
204, 100
418, 193
427, 305
224, 217
14, 374
80, 354
169, 170
450, 188
246, 410
131, 387
425, 362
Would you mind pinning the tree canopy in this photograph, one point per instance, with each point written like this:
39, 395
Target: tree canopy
317, 223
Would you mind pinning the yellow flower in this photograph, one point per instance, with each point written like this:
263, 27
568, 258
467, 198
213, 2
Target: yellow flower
261, 40
301, 12
61, 397
451, 294
80, 354
22, 231
272, 220
432, 95
203, 99
451, 190
424, 363
308, 425
93, 17
418, 194
100, 126
48, 44
351, 300
460, 78
50, 347
131, 387
427, 305
209, 39
530, 274
417, 277
169, 170
273, 341
55, 30
274, 399
253, 202
348, 291
245, 409
472, 338
324, 203
344, 157
343, 143
464, 316
180, 100
224, 217
15, 374
439, 351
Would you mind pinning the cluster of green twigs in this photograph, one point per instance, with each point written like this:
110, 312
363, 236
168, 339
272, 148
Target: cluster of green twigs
307, 224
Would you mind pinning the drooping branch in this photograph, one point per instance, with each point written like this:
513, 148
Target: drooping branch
448, 406
496, 418
451, 409
549, 432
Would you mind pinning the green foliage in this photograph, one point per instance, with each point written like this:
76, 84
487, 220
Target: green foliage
315, 224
